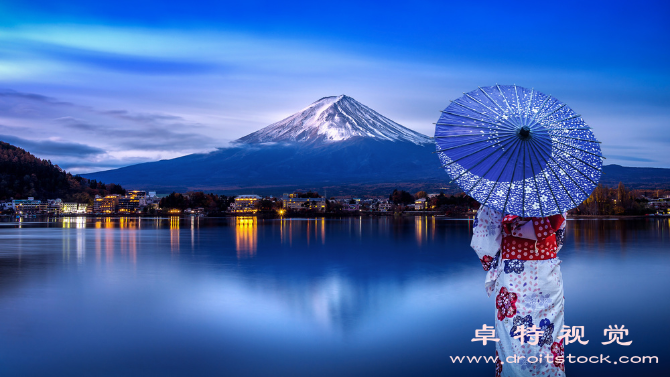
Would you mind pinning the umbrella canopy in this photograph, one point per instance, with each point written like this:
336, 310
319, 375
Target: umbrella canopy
519, 151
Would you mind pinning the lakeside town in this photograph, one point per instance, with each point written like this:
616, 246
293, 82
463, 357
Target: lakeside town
603, 202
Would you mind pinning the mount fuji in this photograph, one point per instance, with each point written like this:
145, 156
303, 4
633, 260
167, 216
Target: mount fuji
332, 119
336, 144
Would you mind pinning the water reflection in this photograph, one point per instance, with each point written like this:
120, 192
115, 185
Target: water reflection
246, 236
174, 234
332, 289
601, 234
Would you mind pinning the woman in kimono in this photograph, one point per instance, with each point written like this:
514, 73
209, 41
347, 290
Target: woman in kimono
519, 255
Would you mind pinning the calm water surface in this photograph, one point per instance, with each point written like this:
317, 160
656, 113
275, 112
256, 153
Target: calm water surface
334, 297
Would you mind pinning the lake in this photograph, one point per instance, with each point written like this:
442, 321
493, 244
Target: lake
370, 296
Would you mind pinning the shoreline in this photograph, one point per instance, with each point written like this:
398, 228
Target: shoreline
464, 216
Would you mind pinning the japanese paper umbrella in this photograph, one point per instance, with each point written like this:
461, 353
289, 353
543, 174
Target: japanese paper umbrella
519, 151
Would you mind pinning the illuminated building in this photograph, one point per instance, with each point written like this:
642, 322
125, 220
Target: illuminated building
29, 206
108, 204
136, 194
54, 207
245, 204
299, 204
73, 207
129, 204
420, 204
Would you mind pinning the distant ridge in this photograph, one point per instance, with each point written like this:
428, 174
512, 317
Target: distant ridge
636, 178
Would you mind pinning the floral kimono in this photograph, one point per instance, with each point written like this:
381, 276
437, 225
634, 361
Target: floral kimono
519, 255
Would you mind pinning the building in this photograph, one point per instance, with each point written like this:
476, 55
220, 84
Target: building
128, 204
302, 204
420, 204
29, 206
73, 208
54, 207
245, 204
137, 193
661, 205
108, 204
385, 207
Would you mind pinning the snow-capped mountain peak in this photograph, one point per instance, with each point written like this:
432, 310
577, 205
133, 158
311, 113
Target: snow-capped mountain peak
332, 119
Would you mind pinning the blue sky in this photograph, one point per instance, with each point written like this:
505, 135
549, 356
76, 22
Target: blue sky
97, 86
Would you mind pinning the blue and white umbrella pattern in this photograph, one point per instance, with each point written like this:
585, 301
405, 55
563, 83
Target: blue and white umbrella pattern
519, 151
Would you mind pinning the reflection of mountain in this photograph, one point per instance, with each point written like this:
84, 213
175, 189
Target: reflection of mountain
341, 273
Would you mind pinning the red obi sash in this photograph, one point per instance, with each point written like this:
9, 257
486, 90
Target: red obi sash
515, 245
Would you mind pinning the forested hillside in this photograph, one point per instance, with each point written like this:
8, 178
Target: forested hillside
23, 175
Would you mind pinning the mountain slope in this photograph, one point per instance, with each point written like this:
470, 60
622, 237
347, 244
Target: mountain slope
357, 165
336, 144
333, 119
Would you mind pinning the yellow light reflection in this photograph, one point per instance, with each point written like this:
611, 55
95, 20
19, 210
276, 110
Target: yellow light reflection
420, 225
246, 237
174, 234
323, 231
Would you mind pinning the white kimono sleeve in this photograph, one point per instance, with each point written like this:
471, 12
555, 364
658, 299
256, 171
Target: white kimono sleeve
487, 232
486, 240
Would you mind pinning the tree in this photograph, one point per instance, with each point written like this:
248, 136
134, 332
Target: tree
264, 205
401, 197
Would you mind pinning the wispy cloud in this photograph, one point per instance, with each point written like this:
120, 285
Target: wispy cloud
105, 60
84, 138
52, 148
143, 93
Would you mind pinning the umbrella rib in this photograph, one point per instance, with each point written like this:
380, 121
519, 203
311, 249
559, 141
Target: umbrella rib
518, 106
523, 181
475, 165
567, 129
462, 145
576, 138
510, 182
490, 167
537, 152
578, 159
537, 187
461, 125
501, 171
540, 109
491, 99
467, 117
563, 186
537, 157
477, 151
505, 99
579, 149
569, 176
579, 171
462, 135
481, 103
564, 119
529, 103
499, 175
505, 121
471, 109
548, 114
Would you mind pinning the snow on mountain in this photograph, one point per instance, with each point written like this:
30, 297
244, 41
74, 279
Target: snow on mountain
334, 119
